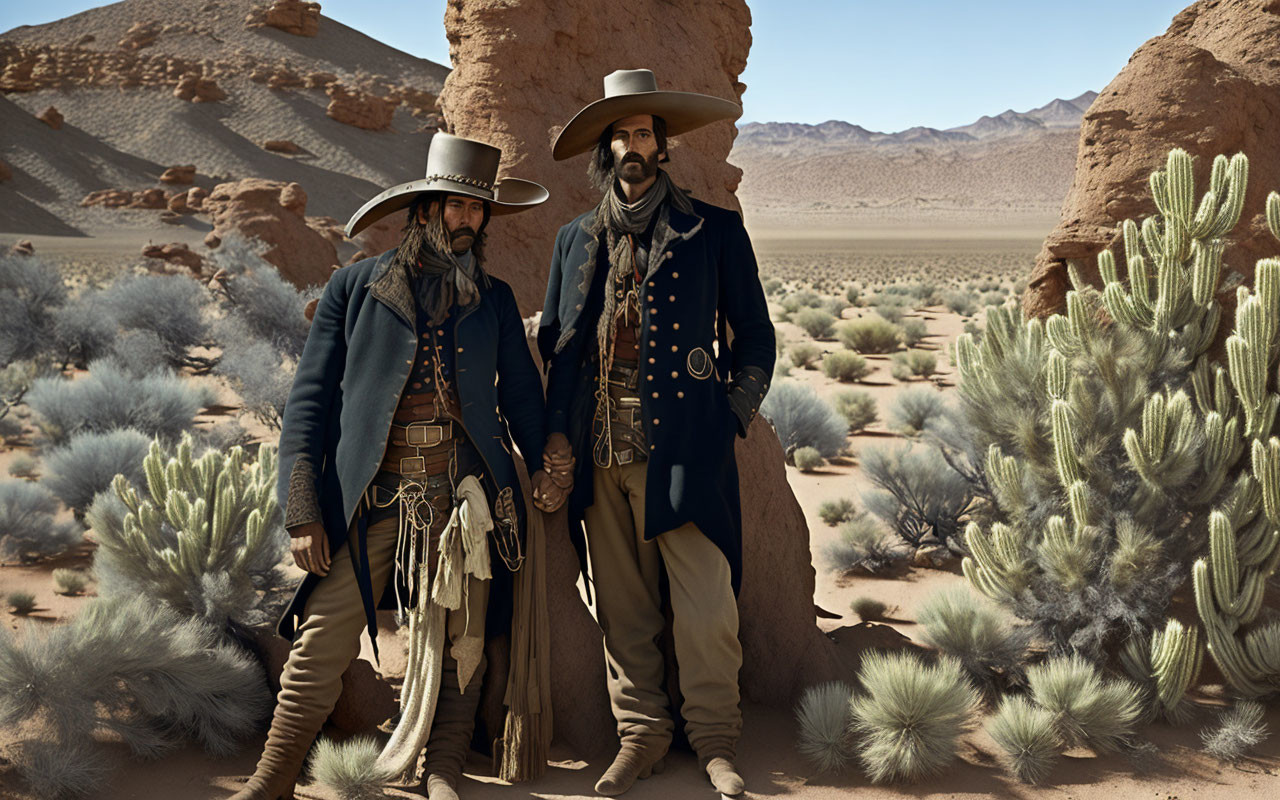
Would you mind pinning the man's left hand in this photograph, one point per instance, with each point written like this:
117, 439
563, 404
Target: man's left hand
546, 495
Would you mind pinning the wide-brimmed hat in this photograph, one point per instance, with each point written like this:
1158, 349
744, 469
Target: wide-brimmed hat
455, 166
635, 91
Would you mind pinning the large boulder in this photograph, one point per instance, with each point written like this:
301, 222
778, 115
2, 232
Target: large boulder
359, 108
290, 16
1206, 86
275, 213
499, 92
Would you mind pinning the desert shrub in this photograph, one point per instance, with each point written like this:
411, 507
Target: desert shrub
140, 353
173, 307
781, 369
891, 312
262, 378
27, 527
863, 544
218, 513
823, 718
260, 304
960, 303
30, 292
1028, 736
1239, 729
858, 408
911, 717
25, 466
834, 306
84, 329
914, 363
89, 461
109, 398
805, 354
853, 293
869, 335
961, 625
994, 297
21, 603
833, 512
917, 493
925, 293
868, 609
1088, 709
772, 286
916, 410
845, 365
70, 581
350, 767
807, 459
972, 328
132, 668
913, 332
802, 419
798, 300
55, 770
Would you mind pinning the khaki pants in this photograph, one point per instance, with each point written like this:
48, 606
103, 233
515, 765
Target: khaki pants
325, 644
625, 571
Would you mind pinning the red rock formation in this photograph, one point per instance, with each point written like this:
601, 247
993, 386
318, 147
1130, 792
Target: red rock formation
175, 253
195, 198
51, 117
281, 146
198, 90
319, 80
140, 35
212, 240
290, 16
24, 247
272, 211
177, 203
1206, 86
149, 198
183, 173
359, 108
110, 198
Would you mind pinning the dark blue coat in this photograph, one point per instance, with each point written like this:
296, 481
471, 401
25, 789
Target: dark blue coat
349, 381
686, 363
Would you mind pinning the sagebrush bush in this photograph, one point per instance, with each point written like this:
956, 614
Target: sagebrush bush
259, 375
868, 609
807, 459
853, 294
823, 719
141, 353
805, 354
21, 602
858, 408
802, 419
110, 398
917, 493
1239, 729
1088, 709
960, 624
27, 527
834, 306
916, 410
914, 363
56, 770
70, 581
86, 465
84, 329
833, 512
961, 303
911, 717
864, 544
913, 332
173, 307
1028, 736
350, 767
869, 335
845, 365
814, 321
30, 293
25, 466
257, 297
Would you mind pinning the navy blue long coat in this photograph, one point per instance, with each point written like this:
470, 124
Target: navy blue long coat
350, 377
707, 266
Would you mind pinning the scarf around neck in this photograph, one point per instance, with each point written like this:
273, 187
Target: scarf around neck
443, 279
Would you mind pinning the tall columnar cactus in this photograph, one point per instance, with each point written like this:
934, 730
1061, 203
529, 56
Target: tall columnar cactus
1113, 445
204, 539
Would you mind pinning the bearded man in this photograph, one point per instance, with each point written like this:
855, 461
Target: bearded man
645, 393
396, 472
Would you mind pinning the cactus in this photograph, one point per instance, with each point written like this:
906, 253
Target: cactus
1115, 447
204, 540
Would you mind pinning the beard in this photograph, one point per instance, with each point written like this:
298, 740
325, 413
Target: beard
635, 168
461, 239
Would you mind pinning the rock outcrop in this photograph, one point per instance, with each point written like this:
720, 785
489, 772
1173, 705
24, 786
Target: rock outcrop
174, 254
290, 16
197, 89
286, 146
1206, 86
140, 35
274, 212
51, 117
183, 173
359, 108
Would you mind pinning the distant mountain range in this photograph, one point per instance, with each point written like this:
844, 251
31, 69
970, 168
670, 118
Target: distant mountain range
794, 137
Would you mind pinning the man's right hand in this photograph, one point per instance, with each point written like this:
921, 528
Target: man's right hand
558, 461
310, 547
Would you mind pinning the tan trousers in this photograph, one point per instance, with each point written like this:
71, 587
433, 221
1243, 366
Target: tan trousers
625, 571
325, 644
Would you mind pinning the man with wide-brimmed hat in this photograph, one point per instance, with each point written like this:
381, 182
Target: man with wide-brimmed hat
397, 476
645, 392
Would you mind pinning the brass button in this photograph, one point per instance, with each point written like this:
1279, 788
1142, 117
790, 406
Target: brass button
655, 420
679, 394
675, 348
675, 374
671, 299
655, 395
653, 312
646, 377
653, 327
652, 343
675, 274
675, 326
650, 284
649, 297
668, 255
651, 359
440, 332
459, 349
653, 447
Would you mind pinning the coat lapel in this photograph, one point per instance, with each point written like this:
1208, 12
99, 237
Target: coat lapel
391, 288
672, 228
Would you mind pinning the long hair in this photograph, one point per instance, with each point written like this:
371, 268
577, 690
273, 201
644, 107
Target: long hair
600, 167
432, 234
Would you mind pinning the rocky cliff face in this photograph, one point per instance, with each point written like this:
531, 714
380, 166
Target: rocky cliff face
1206, 85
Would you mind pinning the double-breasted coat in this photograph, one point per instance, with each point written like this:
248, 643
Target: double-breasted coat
704, 275
350, 377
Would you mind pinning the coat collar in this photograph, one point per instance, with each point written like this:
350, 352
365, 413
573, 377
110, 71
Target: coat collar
391, 287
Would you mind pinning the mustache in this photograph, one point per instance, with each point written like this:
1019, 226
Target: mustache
463, 231
632, 158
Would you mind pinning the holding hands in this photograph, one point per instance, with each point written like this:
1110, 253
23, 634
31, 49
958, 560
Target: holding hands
553, 483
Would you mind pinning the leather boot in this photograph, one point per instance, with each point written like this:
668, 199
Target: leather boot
281, 762
724, 776
633, 762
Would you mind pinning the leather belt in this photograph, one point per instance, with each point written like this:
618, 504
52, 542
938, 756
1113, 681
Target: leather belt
405, 448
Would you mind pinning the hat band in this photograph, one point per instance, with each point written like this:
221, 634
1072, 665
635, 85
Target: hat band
476, 182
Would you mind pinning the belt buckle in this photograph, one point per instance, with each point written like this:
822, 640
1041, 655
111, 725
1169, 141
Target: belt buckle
424, 435
624, 456
413, 465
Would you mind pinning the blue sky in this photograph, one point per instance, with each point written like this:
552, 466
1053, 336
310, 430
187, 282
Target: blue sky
885, 65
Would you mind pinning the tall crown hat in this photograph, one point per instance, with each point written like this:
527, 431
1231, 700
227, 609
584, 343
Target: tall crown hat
635, 91
455, 166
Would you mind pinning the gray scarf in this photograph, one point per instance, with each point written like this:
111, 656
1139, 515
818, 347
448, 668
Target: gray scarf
444, 279
616, 218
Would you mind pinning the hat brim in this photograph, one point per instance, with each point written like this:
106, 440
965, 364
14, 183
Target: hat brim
682, 111
511, 196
